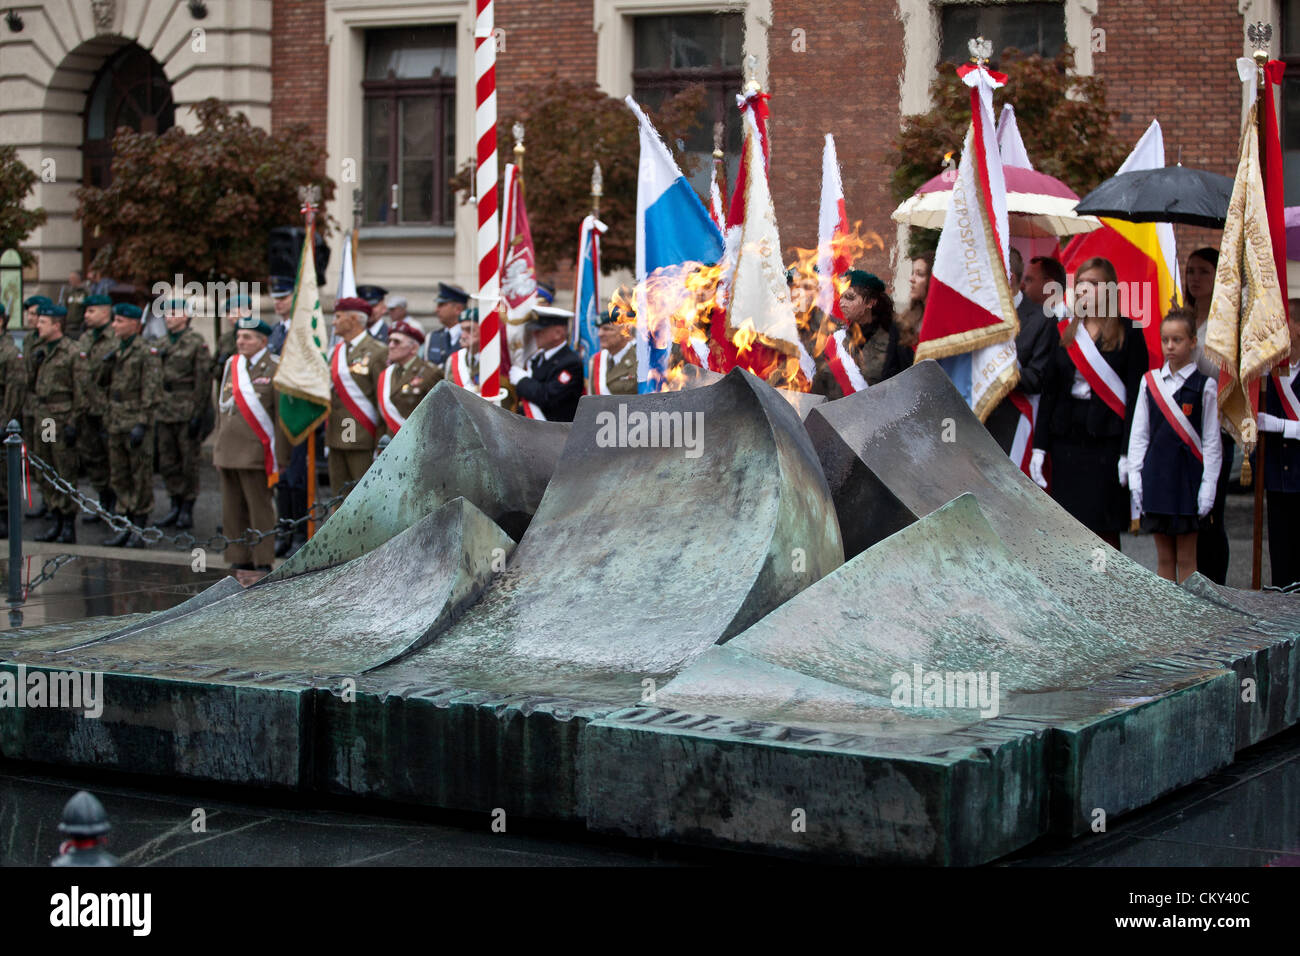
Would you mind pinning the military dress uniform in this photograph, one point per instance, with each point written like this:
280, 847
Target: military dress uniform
132, 376
443, 343
407, 385
616, 373
555, 383
187, 389
348, 460
240, 457
13, 388
54, 440
92, 408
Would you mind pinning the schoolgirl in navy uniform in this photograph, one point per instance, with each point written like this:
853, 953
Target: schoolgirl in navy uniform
1174, 450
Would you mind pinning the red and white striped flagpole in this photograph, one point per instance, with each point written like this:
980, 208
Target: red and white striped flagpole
485, 131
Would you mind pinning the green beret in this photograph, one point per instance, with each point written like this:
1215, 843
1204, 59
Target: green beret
127, 311
470, 314
249, 323
56, 311
36, 300
97, 299
866, 281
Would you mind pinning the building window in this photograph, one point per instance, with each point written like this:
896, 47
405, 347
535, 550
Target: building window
1028, 27
409, 126
674, 52
1289, 107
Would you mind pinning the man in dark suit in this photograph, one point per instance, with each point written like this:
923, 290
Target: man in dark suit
553, 379
1035, 342
445, 339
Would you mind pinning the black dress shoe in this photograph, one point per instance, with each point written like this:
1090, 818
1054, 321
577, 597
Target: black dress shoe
69, 534
53, 531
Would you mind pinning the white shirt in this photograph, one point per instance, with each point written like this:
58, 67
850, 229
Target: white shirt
549, 352
615, 359
1211, 446
454, 332
375, 328
1020, 297
353, 343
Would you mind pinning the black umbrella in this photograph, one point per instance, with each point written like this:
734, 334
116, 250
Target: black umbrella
1170, 194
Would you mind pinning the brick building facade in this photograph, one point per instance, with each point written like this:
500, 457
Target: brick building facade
851, 67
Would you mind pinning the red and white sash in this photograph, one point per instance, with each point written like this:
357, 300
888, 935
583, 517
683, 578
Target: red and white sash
1104, 380
1022, 445
349, 392
598, 373
460, 370
250, 406
1173, 414
842, 366
531, 411
392, 417
1285, 386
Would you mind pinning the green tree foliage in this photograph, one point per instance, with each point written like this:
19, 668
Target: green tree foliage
1063, 120
567, 126
201, 204
16, 221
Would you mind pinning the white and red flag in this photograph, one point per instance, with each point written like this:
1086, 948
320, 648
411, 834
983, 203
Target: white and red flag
759, 312
970, 320
832, 231
518, 266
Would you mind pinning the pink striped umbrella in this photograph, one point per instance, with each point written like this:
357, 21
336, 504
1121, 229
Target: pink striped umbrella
1041, 206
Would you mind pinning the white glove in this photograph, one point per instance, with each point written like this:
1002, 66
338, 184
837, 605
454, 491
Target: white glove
1291, 430
516, 373
1271, 423
1123, 471
1036, 468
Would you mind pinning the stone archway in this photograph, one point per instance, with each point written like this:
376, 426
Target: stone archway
63, 49
130, 90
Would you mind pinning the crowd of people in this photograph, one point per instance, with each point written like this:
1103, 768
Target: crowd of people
1111, 442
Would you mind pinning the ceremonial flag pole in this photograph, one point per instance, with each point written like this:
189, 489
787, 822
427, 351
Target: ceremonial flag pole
970, 321
1246, 333
302, 379
717, 181
586, 285
518, 261
485, 129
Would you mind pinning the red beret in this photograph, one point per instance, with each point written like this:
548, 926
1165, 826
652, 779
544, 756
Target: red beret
407, 329
352, 304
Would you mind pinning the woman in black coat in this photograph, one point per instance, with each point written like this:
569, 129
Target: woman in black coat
1084, 436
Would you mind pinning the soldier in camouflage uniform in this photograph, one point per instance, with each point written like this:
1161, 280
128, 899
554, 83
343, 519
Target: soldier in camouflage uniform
13, 388
92, 400
132, 375
187, 391
54, 440
32, 353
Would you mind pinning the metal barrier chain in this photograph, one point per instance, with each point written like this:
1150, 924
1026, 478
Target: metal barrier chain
48, 570
183, 541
